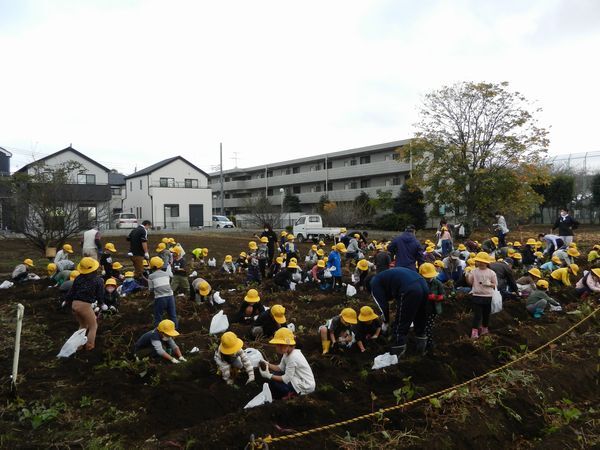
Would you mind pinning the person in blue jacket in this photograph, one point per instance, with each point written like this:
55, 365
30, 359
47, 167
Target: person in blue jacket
407, 249
334, 264
410, 291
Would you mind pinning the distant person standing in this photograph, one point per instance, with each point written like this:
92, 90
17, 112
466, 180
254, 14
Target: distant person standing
272, 237
407, 249
91, 245
565, 224
138, 248
501, 229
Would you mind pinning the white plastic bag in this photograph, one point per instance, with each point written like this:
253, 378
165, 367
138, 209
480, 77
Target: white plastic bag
262, 398
291, 327
76, 340
254, 356
496, 302
355, 278
384, 360
33, 277
193, 274
306, 258
219, 323
292, 286
195, 350
218, 299
296, 277
556, 308
350, 291
6, 284
212, 262
327, 273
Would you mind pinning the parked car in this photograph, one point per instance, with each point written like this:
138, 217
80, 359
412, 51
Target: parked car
125, 220
311, 227
222, 222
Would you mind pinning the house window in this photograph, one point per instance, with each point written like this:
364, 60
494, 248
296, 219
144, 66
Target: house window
353, 185
288, 171
172, 210
140, 185
329, 164
115, 191
131, 185
318, 188
396, 181
296, 170
296, 189
365, 159
166, 182
191, 183
365, 184
86, 178
352, 162
227, 196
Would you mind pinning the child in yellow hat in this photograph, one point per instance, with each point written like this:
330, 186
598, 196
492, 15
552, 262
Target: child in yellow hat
228, 265
250, 308
337, 331
230, 358
483, 282
269, 321
433, 307
367, 328
360, 274
21, 271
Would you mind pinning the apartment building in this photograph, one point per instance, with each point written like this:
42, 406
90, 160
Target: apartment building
340, 175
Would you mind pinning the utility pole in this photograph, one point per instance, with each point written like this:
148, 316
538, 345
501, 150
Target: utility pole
221, 179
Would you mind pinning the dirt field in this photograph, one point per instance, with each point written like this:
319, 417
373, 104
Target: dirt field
102, 399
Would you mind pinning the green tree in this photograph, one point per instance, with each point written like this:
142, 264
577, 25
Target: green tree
561, 190
383, 202
472, 136
291, 203
323, 200
362, 206
411, 203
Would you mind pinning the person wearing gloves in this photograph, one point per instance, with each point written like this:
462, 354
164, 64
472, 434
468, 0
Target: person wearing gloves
151, 343
293, 375
250, 308
552, 265
106, 258
202, 291
87, 288
562, 276
367, 328
589, 283
21, 271
159, 285
567, 255
360, 274
334, 264
138, 249
407, 249
230, 358
483, 282
539, 299
110, 301
268, 322
228, 265
528, 282
180, 281
262, 254
338, 330
63, 253
433, 307
410, 291
130, 285
198, 258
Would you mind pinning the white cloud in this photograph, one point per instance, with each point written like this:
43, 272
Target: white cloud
129, 83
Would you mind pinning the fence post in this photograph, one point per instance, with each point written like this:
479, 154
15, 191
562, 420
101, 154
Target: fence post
15, 367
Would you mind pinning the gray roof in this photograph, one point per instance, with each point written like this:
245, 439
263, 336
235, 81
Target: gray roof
158, 165
116, 179
64, 150
349, 152
5, 152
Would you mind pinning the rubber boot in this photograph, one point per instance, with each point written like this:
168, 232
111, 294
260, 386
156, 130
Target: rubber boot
399, 350
326, 345
422, 345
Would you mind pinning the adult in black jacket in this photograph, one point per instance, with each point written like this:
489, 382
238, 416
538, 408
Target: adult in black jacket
565, 224
505, 276
272, 237
407, 249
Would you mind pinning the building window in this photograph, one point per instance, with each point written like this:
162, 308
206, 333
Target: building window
191, 183
352, 185
352, 162
269, 192
296, 189
269, 173
329, 164
165, 182
365, 159
86, 178
115, 191
227, 196
396, 181
172, 210
318, 188
140, 185
365, 184
296, 170
131, 185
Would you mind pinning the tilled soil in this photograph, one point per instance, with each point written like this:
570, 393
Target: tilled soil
105, 399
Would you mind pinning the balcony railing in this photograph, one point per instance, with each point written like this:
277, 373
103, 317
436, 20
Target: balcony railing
176, 184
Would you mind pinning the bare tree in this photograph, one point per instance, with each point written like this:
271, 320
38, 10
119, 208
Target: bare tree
50, 208
262, 211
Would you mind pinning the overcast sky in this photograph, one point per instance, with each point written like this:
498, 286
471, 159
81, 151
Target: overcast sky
132, 82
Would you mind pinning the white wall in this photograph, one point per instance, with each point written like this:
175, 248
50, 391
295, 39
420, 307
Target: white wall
101, 174
136, 197
184, 198
179, 170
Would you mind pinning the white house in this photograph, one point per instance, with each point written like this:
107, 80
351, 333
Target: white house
87, 188
172, 193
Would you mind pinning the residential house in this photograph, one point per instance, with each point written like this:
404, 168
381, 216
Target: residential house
172, 193
116, 182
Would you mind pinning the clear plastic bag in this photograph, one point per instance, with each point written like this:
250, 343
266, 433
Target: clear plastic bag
496, 302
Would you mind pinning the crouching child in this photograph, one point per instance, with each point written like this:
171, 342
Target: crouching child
433, 307
268, 322
293, 375
230, 358
538, 300
337, 331
151, 343
368, 327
